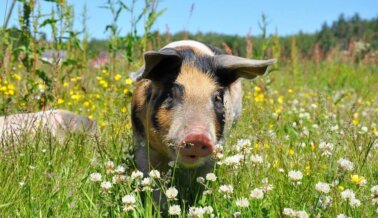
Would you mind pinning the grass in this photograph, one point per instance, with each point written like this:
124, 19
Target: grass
287, 119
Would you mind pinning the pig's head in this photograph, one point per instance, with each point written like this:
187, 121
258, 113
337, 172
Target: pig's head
189, 100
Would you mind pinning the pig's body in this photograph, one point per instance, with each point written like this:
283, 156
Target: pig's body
187, 98
58, 123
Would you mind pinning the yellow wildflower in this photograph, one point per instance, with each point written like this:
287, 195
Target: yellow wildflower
124, 110
359, 180
60, 101
117, 77
128, 81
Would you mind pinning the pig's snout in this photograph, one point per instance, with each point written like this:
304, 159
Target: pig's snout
194, 146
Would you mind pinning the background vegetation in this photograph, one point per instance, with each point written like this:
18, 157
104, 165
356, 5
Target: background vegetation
317, 106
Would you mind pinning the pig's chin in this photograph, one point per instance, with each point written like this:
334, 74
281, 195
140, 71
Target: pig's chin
188, 162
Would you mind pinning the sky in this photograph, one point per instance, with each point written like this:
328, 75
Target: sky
237, 17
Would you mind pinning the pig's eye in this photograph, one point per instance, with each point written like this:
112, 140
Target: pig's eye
173, 96
218, 100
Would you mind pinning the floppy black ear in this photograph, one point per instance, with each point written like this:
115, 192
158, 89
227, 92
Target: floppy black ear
161, 66
230, 68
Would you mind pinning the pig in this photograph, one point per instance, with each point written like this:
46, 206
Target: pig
58, 123
187, 97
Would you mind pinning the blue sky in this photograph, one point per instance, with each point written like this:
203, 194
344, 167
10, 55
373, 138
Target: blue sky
222, 16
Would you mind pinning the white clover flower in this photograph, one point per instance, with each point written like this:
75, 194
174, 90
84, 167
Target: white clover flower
109, 167
374, 195
118, 178
200, 180
106, 186
325, 201
208, 192
147, 184
129, 202
322, 187
257, 193
242, 202
211, 177
257, 159
196, 212
95, 177
233, 160
326, 148
354, 202
155, 174
174, 210
289, 212
171, 163
342, 216
120, 170
208, 210
244, 146
295, 175
237, 214
227, 190
364, 130
347, 195
301, 214
171, 193
345, 164
136, 175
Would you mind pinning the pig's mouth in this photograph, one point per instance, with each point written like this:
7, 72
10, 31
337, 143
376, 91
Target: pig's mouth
193, 151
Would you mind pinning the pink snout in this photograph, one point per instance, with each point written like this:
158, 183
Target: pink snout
194, 146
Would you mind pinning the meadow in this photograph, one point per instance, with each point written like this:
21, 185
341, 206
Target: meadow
305, 146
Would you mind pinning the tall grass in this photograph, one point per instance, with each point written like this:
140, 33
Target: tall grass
293, 124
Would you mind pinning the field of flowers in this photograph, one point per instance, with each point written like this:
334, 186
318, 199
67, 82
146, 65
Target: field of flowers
305, 146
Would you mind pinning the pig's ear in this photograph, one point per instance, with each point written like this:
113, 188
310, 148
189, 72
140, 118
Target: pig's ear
230, 68
161, 66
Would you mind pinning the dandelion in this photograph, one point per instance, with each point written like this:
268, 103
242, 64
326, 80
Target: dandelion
345, 164
227, 190
211, 177
129, 81
106, 186
155, 174
257, 193
129, 203
117, 77
359, 180
243, 145
242, 202
174, 210
171, 193
322, 187
295, 176
95, 177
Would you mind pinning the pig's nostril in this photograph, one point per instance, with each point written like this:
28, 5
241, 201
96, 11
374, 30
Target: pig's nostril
204, 147
192, 156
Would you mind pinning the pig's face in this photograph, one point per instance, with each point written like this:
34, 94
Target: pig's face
188, 100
